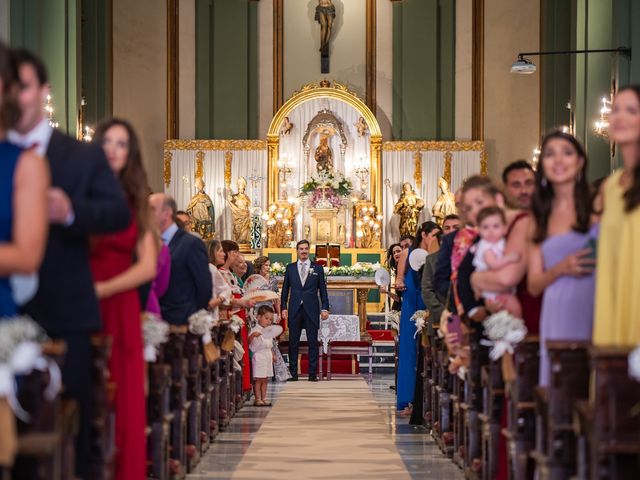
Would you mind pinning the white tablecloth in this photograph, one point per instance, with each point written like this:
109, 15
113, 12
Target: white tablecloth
337, 327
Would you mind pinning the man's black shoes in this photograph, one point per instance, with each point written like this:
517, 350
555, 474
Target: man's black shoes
313, 378
292, 379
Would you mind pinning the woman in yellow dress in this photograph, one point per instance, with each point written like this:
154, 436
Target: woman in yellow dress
617, 306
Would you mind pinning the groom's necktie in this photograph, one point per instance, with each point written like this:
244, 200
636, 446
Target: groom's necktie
304, 270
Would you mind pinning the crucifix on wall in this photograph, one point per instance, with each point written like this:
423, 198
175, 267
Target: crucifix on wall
325, 15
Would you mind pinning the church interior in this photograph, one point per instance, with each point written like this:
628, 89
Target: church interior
344, 153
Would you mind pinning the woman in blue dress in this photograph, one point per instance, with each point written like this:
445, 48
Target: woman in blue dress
409, 282
24, 183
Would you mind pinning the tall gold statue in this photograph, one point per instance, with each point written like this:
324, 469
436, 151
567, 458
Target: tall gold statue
240, 204
446, 203
202, 212
325, 15
324, 155
408, 206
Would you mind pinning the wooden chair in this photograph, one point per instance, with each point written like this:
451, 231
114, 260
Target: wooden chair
353, 348
303, 349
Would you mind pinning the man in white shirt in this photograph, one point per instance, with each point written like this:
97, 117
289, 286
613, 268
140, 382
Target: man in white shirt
304, 293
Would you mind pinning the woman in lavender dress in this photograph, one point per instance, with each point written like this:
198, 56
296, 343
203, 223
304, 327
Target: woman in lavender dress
561, 262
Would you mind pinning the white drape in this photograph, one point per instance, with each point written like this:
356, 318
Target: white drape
399, 167
357, 151
245, 163
463, 165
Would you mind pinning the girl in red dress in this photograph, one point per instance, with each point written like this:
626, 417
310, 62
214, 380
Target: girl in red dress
121, 262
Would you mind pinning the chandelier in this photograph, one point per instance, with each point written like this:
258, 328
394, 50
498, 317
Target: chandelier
601, 126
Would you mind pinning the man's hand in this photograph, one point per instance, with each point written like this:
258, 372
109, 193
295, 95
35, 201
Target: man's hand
60, 209
284, 315
324, 314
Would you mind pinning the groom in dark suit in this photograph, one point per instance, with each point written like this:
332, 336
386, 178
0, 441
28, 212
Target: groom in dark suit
303, 283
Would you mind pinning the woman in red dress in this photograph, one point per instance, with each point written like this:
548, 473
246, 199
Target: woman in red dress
231, 257
121, 262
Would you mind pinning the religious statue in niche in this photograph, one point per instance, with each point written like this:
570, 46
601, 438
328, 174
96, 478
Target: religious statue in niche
325, 16
408, 206
324, 155
445, 204
202, 212
287, 126
240, 204
361, 127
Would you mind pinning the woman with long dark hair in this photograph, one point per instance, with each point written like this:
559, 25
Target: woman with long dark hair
618, 275
24, 183
118, 276
410, 283
560, 260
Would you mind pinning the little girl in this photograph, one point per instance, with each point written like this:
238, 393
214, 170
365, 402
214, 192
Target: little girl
489, 253
262, 360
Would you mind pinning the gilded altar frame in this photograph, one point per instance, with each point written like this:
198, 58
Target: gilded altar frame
336, 91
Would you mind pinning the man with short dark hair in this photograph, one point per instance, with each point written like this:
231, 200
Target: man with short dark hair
303, 283
190, 283
520, 182
85, 199
406, 241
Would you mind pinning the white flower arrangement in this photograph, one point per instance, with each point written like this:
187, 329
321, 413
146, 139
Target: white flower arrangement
393, 317
236, 323
420, 319
504, 332
277, 269
634, 364
201, 323
21, 341
155, 332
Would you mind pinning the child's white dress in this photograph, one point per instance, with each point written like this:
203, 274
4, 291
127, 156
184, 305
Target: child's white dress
262, 359
481, 248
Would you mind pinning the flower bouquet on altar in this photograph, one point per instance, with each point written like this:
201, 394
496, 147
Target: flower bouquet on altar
504, 332
327, 190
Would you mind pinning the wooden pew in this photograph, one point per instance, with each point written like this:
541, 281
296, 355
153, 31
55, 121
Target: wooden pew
520, 430
608, 424
159, 417
457, 421
442, 389
45, 442
103, 455
490, 418
555, 453
214, 371
193, 355
180, 405
205, 417
226, 406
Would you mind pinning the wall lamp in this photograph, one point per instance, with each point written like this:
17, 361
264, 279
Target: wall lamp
524, 66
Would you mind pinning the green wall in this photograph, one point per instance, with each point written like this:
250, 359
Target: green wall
585, 79
424, 69
50, 28
226, 69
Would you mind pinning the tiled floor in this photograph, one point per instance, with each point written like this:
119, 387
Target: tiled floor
420, 455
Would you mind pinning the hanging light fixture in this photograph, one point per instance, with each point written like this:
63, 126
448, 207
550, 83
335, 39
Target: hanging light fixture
601, 126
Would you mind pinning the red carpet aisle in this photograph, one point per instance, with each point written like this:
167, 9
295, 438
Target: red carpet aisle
327, 430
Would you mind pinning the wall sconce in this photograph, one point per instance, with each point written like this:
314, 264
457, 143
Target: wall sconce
601, 126
524, 66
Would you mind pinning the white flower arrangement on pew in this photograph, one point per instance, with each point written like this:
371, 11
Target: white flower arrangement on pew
420, 319
504, 332
21, 341
236, 323
200, 324
155, 332
634, 364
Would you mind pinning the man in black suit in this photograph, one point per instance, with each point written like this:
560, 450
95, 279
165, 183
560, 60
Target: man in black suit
190, 284
85, 199
303, 291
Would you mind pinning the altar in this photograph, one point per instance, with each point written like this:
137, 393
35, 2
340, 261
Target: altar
323, 173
